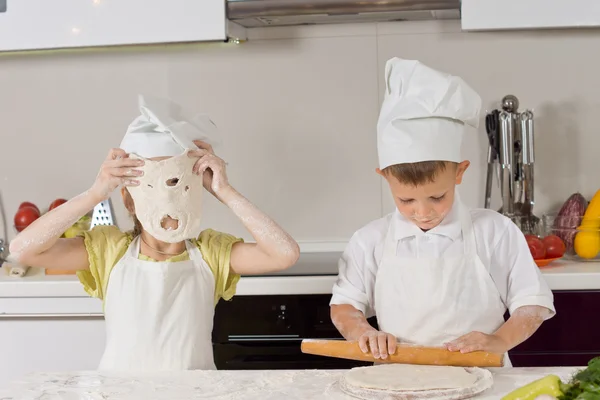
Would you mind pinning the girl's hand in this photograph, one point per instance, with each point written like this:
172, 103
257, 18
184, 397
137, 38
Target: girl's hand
117, 169
212, 167
478, 341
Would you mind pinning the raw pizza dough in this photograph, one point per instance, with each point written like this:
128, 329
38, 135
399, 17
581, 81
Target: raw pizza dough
404, 377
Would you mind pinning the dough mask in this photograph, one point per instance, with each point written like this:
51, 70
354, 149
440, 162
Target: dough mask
169, 188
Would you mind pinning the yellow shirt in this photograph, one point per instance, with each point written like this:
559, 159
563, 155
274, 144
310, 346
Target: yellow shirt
106, 245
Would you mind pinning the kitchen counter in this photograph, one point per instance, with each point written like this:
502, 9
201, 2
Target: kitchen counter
226, 385
560, 275
315, 273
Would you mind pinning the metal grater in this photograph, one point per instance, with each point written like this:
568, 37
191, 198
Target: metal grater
102, 214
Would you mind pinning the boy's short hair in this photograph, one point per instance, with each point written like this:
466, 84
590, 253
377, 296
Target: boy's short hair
417, 173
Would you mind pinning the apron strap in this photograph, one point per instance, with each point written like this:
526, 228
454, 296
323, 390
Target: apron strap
390, 243
468, 233
194, 252
134, 248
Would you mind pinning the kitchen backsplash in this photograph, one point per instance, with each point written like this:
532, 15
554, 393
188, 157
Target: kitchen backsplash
297, 107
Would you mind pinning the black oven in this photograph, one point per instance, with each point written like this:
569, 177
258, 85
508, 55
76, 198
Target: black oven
265, 332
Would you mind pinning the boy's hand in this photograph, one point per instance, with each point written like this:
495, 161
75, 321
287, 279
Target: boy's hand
381, 344
477, 341
212, 167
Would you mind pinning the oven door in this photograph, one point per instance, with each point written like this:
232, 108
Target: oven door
265, 332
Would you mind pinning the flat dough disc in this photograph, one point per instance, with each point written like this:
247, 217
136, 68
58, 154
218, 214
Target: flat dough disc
410, 377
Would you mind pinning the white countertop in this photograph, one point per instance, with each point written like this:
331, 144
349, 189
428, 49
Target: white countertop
226, 385
39, 294
560, 275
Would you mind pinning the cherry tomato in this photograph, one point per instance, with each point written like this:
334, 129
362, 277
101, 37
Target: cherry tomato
25, 216
28, 204
555, 247
56, 203
536, 246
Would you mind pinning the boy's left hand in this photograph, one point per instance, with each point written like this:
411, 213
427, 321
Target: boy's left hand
478, 341
212, 167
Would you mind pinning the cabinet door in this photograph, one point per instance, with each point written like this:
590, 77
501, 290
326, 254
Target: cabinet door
570, 338
49, 344
43, 24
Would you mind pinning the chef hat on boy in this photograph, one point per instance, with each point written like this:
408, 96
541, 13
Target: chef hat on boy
424, 114
161, 131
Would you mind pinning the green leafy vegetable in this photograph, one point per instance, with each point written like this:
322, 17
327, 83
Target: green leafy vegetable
585, 385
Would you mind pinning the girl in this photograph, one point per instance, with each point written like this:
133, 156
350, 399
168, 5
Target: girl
158, 294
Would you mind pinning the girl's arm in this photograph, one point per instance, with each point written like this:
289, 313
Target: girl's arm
274, 249
40, 244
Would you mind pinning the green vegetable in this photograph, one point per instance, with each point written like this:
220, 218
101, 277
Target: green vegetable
547, 385
585, 385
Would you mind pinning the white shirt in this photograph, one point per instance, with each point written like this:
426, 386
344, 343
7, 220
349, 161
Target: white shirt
501, 246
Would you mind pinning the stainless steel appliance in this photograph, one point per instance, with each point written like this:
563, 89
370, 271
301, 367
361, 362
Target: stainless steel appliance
260, 13
511, 158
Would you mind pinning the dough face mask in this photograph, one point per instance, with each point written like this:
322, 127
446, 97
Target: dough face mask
169, 188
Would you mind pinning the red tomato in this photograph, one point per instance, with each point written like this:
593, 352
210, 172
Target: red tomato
536, 246
28, 204
25, 216
56, 203
555, 247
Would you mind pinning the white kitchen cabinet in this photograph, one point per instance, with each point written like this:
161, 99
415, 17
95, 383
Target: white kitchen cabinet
489, 15
49, 344
43, 24
48, 324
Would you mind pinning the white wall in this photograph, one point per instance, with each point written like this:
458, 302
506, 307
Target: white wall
298, 108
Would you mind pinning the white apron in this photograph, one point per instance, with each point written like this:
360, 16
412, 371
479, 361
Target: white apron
159, 315
430, 301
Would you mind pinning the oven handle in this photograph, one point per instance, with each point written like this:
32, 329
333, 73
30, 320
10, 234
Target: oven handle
244, 362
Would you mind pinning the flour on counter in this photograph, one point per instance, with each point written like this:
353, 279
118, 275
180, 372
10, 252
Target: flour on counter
260, 385
225, 385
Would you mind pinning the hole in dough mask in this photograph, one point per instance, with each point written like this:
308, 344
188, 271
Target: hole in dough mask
168, 201
168, 223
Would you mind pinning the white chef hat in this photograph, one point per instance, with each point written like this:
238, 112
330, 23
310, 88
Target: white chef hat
424, 114
161, 131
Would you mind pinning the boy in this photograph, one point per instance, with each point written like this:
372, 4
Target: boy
434, 272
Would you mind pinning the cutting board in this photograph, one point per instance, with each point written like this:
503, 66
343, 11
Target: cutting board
405, 354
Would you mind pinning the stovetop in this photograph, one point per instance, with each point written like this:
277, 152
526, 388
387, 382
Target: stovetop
312, 264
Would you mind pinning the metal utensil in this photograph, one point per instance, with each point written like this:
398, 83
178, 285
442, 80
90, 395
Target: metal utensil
102, 214
491, 127
4, 238
2, 249
506, 157
511, 139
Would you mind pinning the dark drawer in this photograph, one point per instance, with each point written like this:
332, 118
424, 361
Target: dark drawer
574, 328
551, 359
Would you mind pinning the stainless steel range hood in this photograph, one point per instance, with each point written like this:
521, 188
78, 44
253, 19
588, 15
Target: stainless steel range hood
258, 13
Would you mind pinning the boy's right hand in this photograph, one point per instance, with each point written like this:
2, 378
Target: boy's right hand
117, 169
381, 344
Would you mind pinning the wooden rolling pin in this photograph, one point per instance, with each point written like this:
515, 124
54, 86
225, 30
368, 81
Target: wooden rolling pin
405, 354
